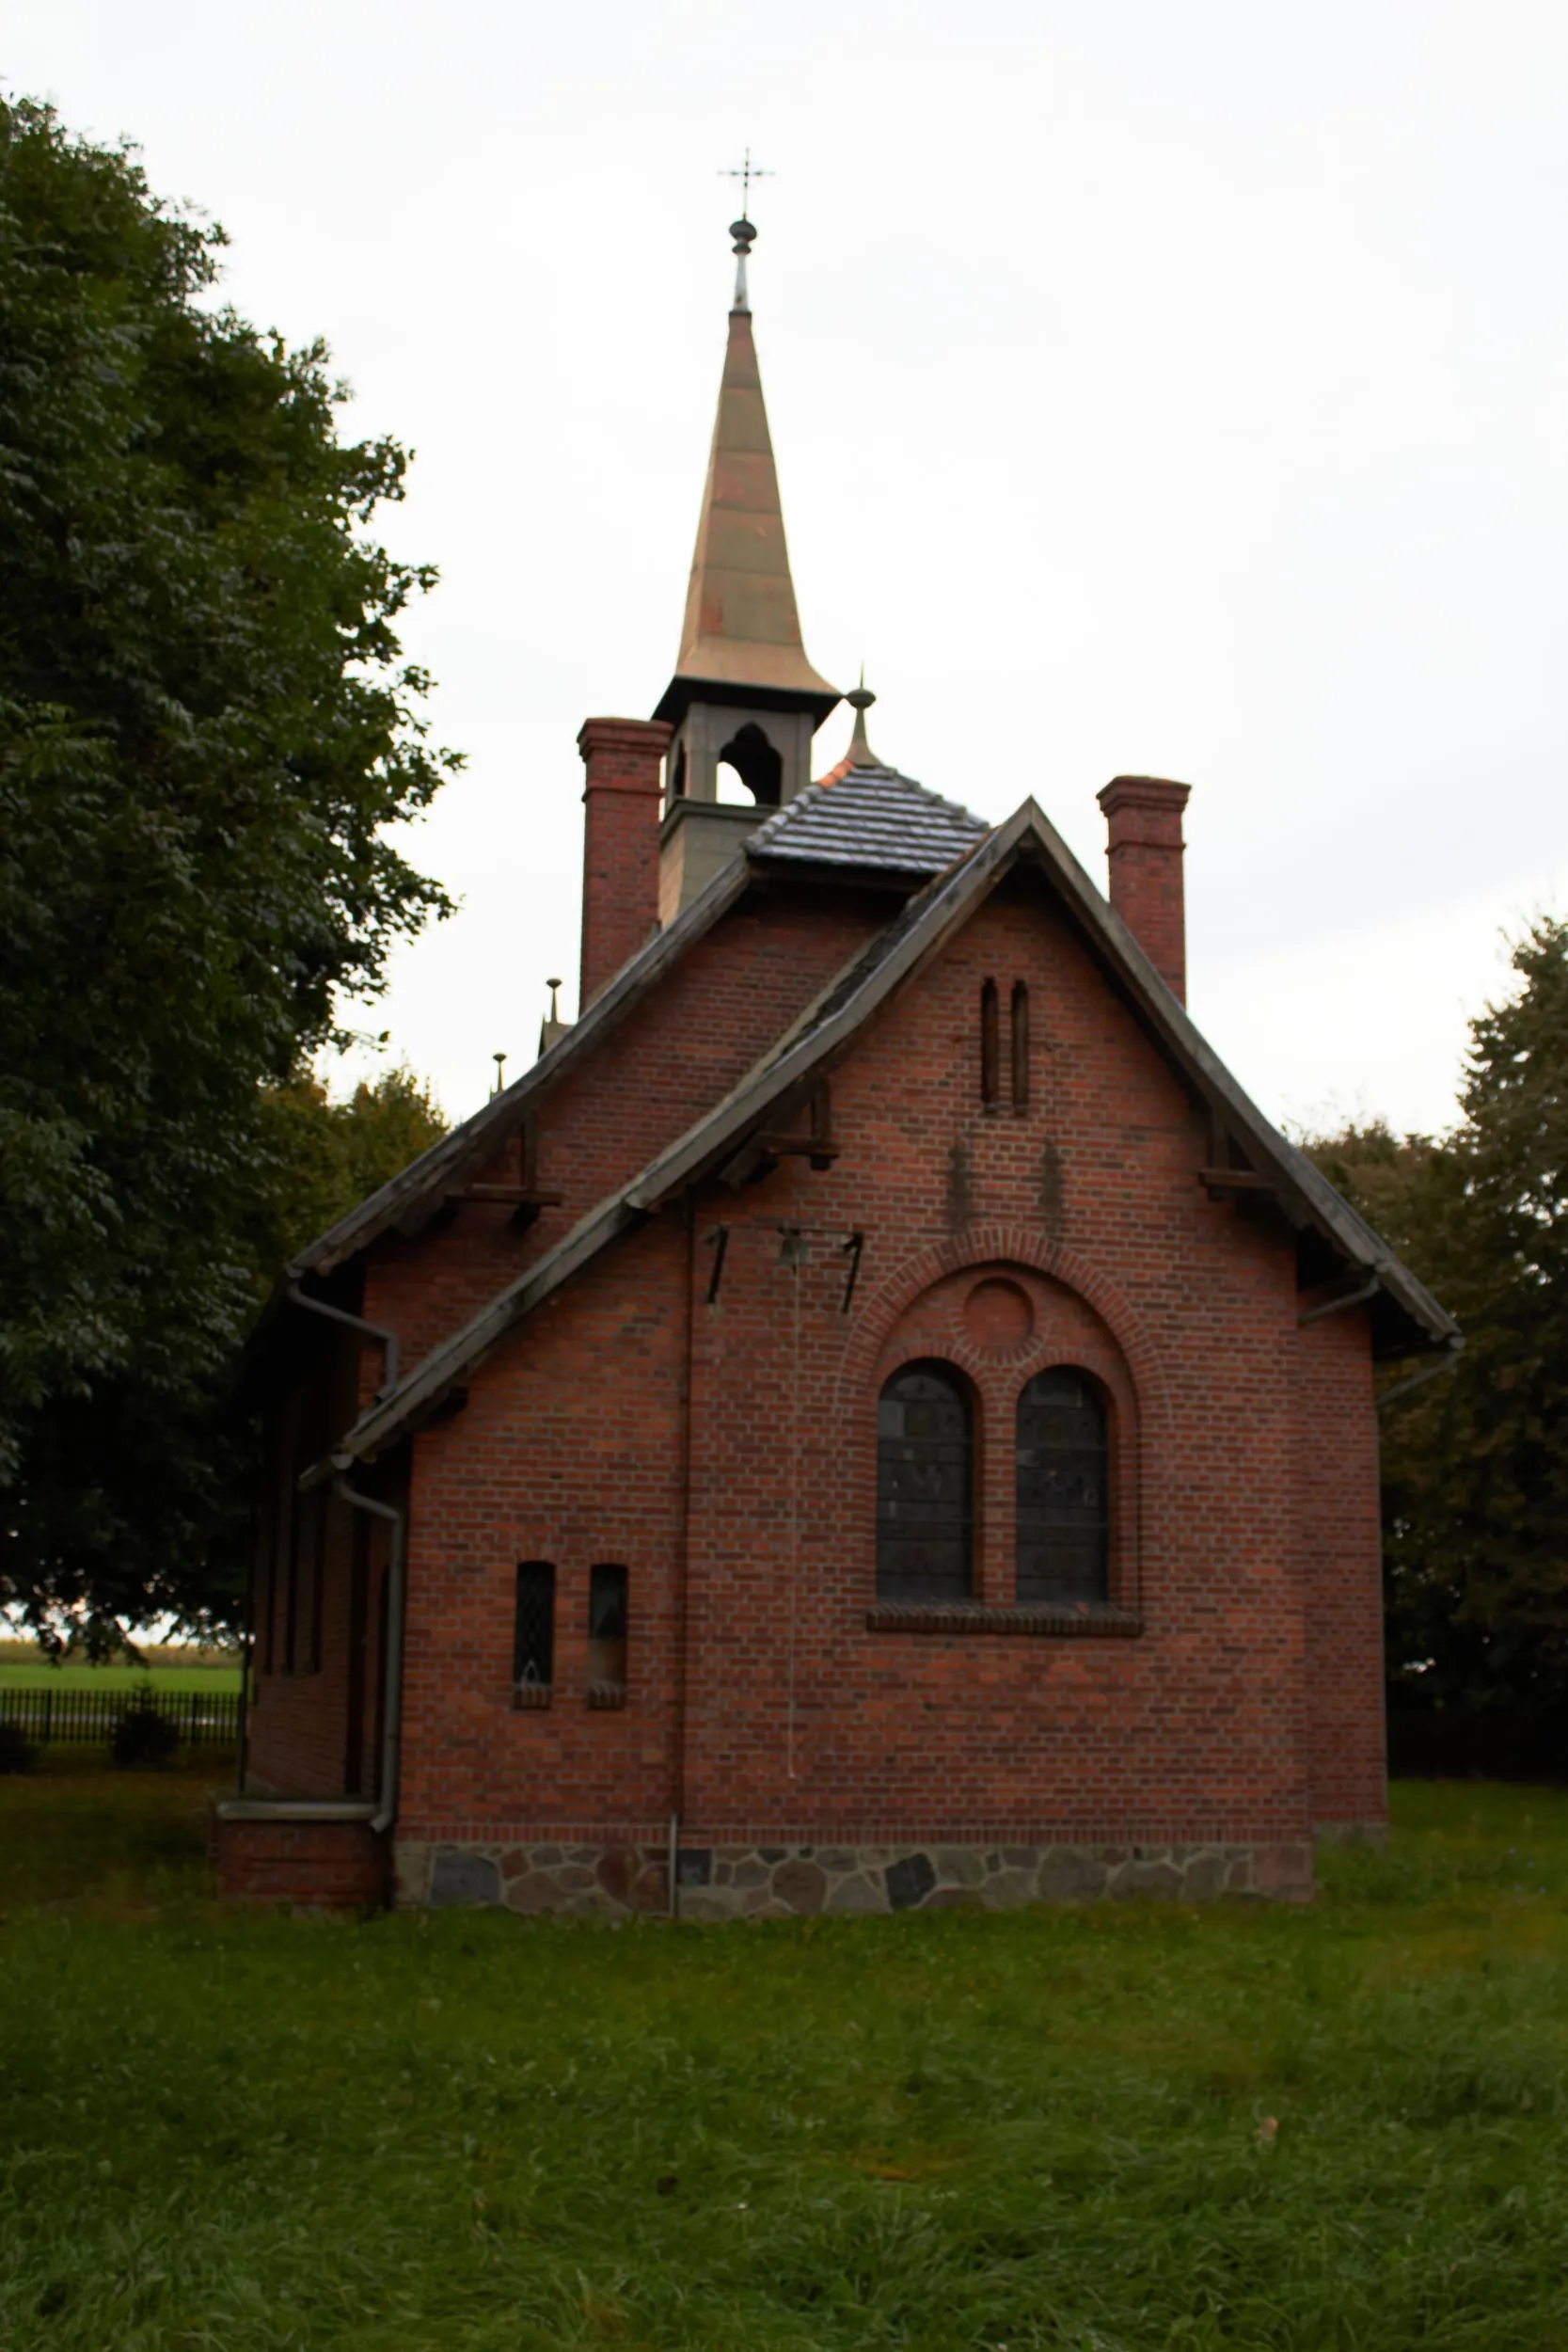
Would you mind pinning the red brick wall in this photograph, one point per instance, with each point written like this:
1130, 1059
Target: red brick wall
663, 1066
657, 1072
1144, 815
1339, 1523
797, 1716
571, 1452
338, 1865
620, 843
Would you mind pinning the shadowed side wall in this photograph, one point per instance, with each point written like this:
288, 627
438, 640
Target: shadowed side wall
1340, 1534
315, 1644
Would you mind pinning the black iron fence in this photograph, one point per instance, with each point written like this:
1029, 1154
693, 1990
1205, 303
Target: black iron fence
87, 1718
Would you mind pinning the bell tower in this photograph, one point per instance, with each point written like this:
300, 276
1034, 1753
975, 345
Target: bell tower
744, 695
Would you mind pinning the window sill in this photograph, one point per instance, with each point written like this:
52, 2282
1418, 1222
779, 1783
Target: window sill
605, 1694
916, 1616
527, 1697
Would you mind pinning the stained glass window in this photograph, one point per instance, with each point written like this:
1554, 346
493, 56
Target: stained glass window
1063, 1508
924, 1481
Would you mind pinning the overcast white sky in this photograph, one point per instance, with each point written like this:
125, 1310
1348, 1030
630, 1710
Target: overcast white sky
1168, 385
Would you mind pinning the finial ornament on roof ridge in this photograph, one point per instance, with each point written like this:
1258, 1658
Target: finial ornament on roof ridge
860, 700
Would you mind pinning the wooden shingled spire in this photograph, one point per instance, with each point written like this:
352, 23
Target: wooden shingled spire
742, 627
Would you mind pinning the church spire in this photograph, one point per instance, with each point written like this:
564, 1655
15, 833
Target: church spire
742, 631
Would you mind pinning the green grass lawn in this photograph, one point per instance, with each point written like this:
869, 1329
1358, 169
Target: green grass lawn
1108, 2129
18, 1677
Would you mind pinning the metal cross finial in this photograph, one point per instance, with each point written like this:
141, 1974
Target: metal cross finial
747, 173
742, 229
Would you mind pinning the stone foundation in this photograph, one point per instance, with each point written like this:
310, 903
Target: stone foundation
720, 1881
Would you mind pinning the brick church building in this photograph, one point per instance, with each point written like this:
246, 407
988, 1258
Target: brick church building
874, 1418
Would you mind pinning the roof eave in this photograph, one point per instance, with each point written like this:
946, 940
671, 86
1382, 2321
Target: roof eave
446, 1162
816, 1042
821, 700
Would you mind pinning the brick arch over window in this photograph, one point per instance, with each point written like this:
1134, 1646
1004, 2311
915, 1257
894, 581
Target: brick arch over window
1002, 1306
986, 1247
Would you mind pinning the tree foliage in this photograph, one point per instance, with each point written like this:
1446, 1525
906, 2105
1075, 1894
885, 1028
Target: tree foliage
1476, 1463
207, 740
325, 1156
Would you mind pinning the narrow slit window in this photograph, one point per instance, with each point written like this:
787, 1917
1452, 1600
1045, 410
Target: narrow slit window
266, 1628
533, 1627
924, 1487
1063, 1528
311, 1558
606, 1624
1021, 1045
990, 1045
291, 1587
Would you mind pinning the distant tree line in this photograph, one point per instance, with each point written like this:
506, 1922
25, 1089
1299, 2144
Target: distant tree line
1475, 1464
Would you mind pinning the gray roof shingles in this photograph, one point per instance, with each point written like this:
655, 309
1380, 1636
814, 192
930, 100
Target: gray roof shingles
869, 815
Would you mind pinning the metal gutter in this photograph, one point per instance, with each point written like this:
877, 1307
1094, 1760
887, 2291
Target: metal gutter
386, 1339
1429, 1372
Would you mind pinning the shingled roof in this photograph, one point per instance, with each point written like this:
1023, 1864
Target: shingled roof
828, 1026
867, 814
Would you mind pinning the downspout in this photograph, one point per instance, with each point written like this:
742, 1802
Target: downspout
247, 1644
683, 1560
391, 1665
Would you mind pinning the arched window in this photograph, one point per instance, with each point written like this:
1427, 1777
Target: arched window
923, 1482
1062, 1501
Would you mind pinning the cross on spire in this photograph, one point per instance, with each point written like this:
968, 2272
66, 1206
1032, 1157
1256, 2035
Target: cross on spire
746, 172
742, 229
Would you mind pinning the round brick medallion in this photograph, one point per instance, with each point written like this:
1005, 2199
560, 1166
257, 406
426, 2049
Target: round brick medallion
997, 1313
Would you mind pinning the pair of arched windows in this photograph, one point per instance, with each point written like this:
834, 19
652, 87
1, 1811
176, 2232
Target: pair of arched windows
926, 1489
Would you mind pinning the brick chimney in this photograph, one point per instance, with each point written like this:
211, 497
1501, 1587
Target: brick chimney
1144, 818
620, 843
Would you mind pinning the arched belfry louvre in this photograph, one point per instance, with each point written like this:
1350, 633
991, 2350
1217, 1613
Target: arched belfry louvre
1062, 1470
924, 1485
756, 762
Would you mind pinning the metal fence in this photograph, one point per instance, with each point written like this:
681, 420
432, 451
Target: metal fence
87, 1718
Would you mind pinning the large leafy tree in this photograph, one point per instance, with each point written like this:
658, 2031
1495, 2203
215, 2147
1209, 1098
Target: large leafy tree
1476, 1463
207, 740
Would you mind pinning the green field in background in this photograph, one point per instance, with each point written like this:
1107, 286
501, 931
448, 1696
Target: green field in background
118, 1678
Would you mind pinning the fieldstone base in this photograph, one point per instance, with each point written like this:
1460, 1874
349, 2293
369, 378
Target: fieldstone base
778, 1882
